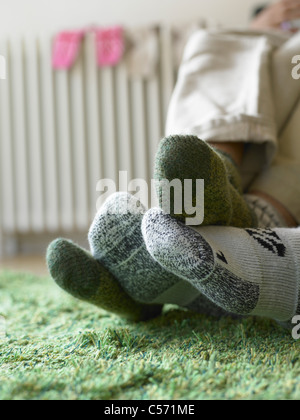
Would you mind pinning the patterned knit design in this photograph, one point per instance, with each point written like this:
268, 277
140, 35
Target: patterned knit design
266, 214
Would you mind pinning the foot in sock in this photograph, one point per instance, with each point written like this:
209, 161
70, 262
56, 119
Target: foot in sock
189, 158
117, 243
244, 271
79, 274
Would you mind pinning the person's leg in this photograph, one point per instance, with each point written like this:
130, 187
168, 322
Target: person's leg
224, 96
286, 90
117, 243
279, 183
279, 207
244, 271
121, 276
236, 151
188, 159
273, 196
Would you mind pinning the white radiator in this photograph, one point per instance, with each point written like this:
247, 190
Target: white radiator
62, 131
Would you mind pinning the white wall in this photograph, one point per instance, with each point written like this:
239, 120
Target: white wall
38, 16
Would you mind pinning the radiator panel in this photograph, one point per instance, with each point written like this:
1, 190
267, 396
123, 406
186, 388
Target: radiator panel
63, 131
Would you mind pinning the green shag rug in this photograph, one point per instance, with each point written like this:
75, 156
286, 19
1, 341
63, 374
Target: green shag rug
58, 348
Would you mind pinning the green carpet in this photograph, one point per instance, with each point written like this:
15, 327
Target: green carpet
58, 348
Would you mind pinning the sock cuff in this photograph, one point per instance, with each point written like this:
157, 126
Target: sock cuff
271, 263
279, 292
267, 215
293, 240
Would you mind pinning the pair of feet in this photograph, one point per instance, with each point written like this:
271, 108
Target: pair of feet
141, 260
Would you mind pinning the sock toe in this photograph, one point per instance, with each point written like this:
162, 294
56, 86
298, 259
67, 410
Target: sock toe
79, 274
186, 157
62, 256
185, 152
161, 233
107, 243
116, 241
189, 158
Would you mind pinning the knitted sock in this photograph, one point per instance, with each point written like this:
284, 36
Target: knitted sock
244, 271
116, 241
79, 274
267, 215
188, 157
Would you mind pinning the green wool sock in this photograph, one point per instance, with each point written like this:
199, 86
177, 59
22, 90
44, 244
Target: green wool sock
79, 274
189, 158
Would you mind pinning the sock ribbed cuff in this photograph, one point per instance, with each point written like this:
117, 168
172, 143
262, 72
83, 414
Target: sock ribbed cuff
267, 215
292, 238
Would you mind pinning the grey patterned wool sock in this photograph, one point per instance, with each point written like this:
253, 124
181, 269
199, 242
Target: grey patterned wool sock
267, 215
244, 271
116, 241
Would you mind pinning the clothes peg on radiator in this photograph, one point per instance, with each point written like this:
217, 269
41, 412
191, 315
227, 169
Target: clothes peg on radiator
66, 49
110, 46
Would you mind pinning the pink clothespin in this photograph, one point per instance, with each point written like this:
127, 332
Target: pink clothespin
110, 46
66, 49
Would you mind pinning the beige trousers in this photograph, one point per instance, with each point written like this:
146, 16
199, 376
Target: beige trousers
237, 86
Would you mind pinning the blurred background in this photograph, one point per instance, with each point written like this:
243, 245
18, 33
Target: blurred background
37, 16
61, 131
